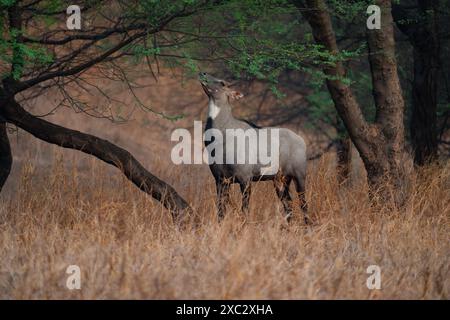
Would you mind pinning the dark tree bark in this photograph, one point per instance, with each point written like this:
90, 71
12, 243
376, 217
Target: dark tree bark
5, 154
102, 149
424, 106
381, 144
343, 152
387, 93
344, 159
424, 37
344, 100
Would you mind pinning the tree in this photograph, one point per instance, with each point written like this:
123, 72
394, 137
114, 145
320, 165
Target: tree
418, 21
381, 144
38, 52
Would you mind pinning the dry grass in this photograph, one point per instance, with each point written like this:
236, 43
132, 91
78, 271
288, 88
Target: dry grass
127, 247
61, 208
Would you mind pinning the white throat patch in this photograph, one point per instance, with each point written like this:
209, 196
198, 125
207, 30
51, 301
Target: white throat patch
213, 109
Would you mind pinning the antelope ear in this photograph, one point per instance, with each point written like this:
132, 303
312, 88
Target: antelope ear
236, 95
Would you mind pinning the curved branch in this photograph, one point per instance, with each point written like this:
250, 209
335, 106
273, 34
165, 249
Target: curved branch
101, 149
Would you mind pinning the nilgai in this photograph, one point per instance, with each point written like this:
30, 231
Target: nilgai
292, 153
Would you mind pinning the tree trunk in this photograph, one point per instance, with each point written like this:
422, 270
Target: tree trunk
103, 150
423, 36
424, 106
344, 159
366, 137
387, 94
380, 145
5, 155
343, 152
345, 102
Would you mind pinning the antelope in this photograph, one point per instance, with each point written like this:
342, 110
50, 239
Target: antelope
292, 153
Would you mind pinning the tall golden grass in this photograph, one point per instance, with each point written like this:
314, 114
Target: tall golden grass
127, 247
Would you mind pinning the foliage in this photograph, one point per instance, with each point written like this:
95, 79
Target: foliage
246, 39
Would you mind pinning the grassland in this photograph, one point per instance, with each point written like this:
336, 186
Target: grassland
62, 208
127, 246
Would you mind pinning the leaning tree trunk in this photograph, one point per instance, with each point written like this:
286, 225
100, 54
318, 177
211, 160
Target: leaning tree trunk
102, 149
5, 155
381, 144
